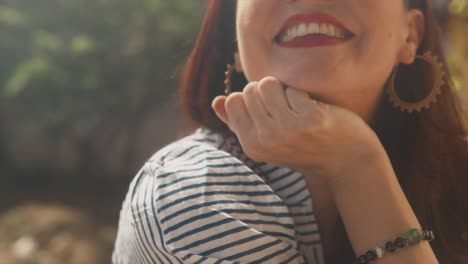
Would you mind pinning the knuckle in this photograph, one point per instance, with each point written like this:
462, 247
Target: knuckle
250, 88
269, 83
233, 100
320, 122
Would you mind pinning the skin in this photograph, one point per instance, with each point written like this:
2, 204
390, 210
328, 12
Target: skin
294, 95
297, 113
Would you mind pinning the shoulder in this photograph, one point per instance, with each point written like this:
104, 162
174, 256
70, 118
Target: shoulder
196, 154
198, 145
197, 201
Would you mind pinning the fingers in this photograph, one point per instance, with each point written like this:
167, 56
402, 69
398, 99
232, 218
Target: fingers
255, 105
300, 101
243, 111
220, 109
237, 114
260, 104
272, 93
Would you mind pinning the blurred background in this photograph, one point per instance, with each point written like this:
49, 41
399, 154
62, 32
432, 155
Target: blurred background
88, 93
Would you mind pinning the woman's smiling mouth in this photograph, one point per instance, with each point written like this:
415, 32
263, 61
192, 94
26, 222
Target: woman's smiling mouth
311, 30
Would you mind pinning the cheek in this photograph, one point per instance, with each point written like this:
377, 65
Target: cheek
255, 53
379, 42
255, 34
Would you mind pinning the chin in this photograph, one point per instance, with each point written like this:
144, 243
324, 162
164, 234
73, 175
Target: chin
320, 90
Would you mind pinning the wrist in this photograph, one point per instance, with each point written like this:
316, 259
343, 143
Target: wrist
371, 161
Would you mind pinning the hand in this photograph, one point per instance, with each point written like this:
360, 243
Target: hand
286, 127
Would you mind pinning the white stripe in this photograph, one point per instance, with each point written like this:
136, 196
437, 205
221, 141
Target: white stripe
141, 241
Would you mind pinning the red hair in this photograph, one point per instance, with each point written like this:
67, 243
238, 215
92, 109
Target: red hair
428, 150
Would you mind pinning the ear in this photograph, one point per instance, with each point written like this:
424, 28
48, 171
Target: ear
237, 62
414, 36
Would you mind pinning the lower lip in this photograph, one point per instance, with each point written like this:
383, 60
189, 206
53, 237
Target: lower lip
312, 41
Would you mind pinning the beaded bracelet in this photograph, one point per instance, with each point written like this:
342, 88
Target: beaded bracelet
412, 237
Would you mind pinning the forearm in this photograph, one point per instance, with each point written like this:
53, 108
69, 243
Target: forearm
375, 210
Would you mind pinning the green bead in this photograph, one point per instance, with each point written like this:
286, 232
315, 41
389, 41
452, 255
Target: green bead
414, 236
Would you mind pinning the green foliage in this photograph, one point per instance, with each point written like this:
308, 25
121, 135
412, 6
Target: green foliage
73, 58
458, 7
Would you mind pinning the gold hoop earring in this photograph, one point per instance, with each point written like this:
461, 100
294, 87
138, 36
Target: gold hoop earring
409, 107
228, 80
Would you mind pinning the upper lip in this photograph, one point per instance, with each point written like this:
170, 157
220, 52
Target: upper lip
316, 17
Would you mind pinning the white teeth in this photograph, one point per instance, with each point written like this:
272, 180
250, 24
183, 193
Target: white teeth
331, 30
323, 29
314, 28
301, 30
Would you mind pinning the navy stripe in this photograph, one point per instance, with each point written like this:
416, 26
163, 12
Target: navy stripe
198, 154
141, 255
178, 202
281, 177
242, 211
308, 233
248, 211
258, 165
130, 230
136, 244
190, 220
149, 226
182, 153
279, 234
302, 214
202, 140
291, 258
140, 223
289, 185
262, 260
169, 152
200, 260
209, 158
211, 238
201, 229
254, 250
224, 165
233, 244
306, 223
153, 208
212, 213
207, 184
311, 243
188, 256
198, 206
265, 222
204, 175
271, 170
303, 200
297, 192
297, 205
223, 142
193, 196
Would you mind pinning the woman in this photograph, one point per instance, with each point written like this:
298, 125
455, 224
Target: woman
305, 159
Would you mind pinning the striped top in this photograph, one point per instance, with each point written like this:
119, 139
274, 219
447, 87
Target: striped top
200, 199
